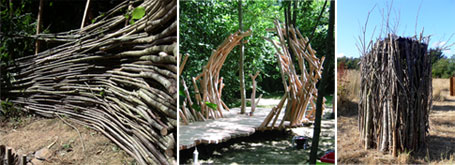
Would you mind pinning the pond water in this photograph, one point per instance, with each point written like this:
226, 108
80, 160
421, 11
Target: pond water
270, 147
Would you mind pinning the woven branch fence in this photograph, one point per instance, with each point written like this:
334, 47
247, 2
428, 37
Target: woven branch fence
117, 78
395, 95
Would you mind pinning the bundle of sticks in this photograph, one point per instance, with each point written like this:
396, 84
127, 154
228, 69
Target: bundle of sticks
187, 111
395, 94
208, 93
300, 89
118, 79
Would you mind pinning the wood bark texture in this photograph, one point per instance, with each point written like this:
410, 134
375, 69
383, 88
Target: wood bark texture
117, 79
395, 95
300, 87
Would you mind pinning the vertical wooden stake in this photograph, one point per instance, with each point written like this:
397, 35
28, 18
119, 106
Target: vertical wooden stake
9, 156
452, 87
253, 93
38, 25
24, 159
85, 13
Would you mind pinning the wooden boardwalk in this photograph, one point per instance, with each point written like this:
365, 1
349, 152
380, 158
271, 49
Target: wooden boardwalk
220, 130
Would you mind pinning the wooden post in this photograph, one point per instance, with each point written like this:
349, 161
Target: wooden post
9, 156
241, 60
85, 13
24, 159
452, 87
253, 93
38, 25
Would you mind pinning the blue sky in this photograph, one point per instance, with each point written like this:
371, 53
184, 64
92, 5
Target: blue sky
437, 17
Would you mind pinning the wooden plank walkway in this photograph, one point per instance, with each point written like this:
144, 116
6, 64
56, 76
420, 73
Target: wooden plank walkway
220, 130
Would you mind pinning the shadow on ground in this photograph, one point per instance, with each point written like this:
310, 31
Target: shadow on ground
347, 108
439, 149
443, 107
440, 144
270, 147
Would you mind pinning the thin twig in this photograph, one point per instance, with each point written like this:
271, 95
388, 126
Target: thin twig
77, 130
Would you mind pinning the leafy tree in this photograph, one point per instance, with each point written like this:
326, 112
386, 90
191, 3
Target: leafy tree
436, 54
325, 83
349, 62
444, 68
205, 24
16, 23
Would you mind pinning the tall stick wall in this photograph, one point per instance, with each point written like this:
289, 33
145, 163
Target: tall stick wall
395, 95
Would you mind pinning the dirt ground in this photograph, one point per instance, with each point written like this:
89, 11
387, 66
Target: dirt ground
264, 148
441, 143
59, 143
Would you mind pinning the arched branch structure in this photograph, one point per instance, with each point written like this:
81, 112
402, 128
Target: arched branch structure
211, 85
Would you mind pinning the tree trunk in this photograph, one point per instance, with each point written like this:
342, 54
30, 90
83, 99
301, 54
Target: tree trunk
38, 25
241, 59
324, 84
294, 16
253, 93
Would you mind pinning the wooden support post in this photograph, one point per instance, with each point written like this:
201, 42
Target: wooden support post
182, 116
38, 25
24, 159
182, 64
85, 14
452, 86
9, 156
253, 93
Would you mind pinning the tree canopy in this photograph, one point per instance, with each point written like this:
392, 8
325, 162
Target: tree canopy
205, 24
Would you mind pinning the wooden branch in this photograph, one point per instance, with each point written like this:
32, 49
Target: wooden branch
38, 24
85, 14
300, 89
253, 93
77, 130
182, 64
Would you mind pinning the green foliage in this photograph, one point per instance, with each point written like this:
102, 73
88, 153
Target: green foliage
102, 93
137, 14
196, 107
442, 67
16, 24
211, 105
349, 62
181, 95
8, 110
205, 24
436, 54
181, 92
67, 146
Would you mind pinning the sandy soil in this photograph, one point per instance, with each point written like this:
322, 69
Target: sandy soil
441, 144
61, 142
